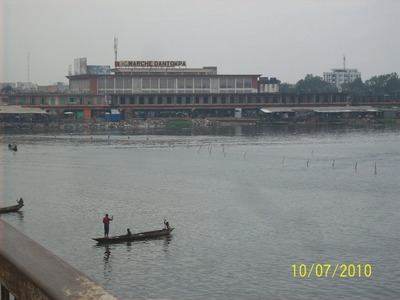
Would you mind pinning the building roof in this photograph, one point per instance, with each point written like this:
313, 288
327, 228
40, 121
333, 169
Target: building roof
17, 109
322, 109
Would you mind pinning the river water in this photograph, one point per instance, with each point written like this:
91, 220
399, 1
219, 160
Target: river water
247, 204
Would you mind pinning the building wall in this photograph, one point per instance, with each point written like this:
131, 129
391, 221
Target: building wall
340, 76
164, 84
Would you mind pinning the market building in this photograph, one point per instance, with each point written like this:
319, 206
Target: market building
169, 89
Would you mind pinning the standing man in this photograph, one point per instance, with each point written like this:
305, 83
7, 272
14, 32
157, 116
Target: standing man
106, 222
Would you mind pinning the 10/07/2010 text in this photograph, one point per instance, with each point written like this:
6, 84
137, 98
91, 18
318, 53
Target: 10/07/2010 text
329, 270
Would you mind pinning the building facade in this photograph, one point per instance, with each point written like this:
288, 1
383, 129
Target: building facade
340, 76
160, 77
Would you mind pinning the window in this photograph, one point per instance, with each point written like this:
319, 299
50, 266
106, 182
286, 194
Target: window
131, 100
159, 99
137, 87
163, 83
239, 83
223, 83
247, 83
119, 82
197, 83
52, 101
110, 83
171, 83
187, 100
169, 100
145, 83
128, 84
179, 100
188, 83
151, 100
181, 83
154, 83
122, 100
141, 100
205, 100
205, 83
231, 83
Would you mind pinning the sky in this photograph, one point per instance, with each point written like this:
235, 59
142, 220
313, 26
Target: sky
286, 39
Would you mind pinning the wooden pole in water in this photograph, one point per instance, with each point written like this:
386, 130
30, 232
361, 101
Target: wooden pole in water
355, 167
244, 157
308, 160
375, 169
333, 164
283, 159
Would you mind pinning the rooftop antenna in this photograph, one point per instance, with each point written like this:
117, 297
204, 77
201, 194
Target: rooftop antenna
116, 48
344, 61
28, 68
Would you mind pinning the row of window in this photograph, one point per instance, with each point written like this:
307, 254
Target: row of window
160, 100
54, 101
174, 83
180, 100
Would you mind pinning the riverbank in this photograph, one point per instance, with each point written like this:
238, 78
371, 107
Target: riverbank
152, 123
161, 123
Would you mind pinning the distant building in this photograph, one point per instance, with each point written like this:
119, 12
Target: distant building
58, 87
268, 85
26, 87
343, 75
340, 76
135, 78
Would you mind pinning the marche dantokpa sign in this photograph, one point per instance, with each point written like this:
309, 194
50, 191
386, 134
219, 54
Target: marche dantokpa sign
150, 63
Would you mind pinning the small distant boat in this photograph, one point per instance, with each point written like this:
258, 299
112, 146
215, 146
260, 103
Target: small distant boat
13, 147
13, 208
134, 236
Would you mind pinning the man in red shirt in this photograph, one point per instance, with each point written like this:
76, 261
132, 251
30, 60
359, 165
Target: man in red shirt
106, 222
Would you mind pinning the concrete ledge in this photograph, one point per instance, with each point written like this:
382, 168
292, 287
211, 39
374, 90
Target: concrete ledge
29, 271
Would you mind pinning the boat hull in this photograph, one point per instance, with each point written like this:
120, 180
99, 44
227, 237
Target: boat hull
9, 209
134, 237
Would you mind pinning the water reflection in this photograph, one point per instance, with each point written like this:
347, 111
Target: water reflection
107, 268
166, 243
107, 254
20, 216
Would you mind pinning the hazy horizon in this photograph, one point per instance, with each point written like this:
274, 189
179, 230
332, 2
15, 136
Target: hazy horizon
287, 39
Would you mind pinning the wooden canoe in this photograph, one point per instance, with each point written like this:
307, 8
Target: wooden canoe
9, 209
134, 236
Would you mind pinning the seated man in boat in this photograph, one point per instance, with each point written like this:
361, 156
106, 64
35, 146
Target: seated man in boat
21, 202
128, 232
166, 223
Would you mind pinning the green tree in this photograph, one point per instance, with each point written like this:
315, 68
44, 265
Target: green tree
384, 84
7, 90
286, 88
357, 87
314, 84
